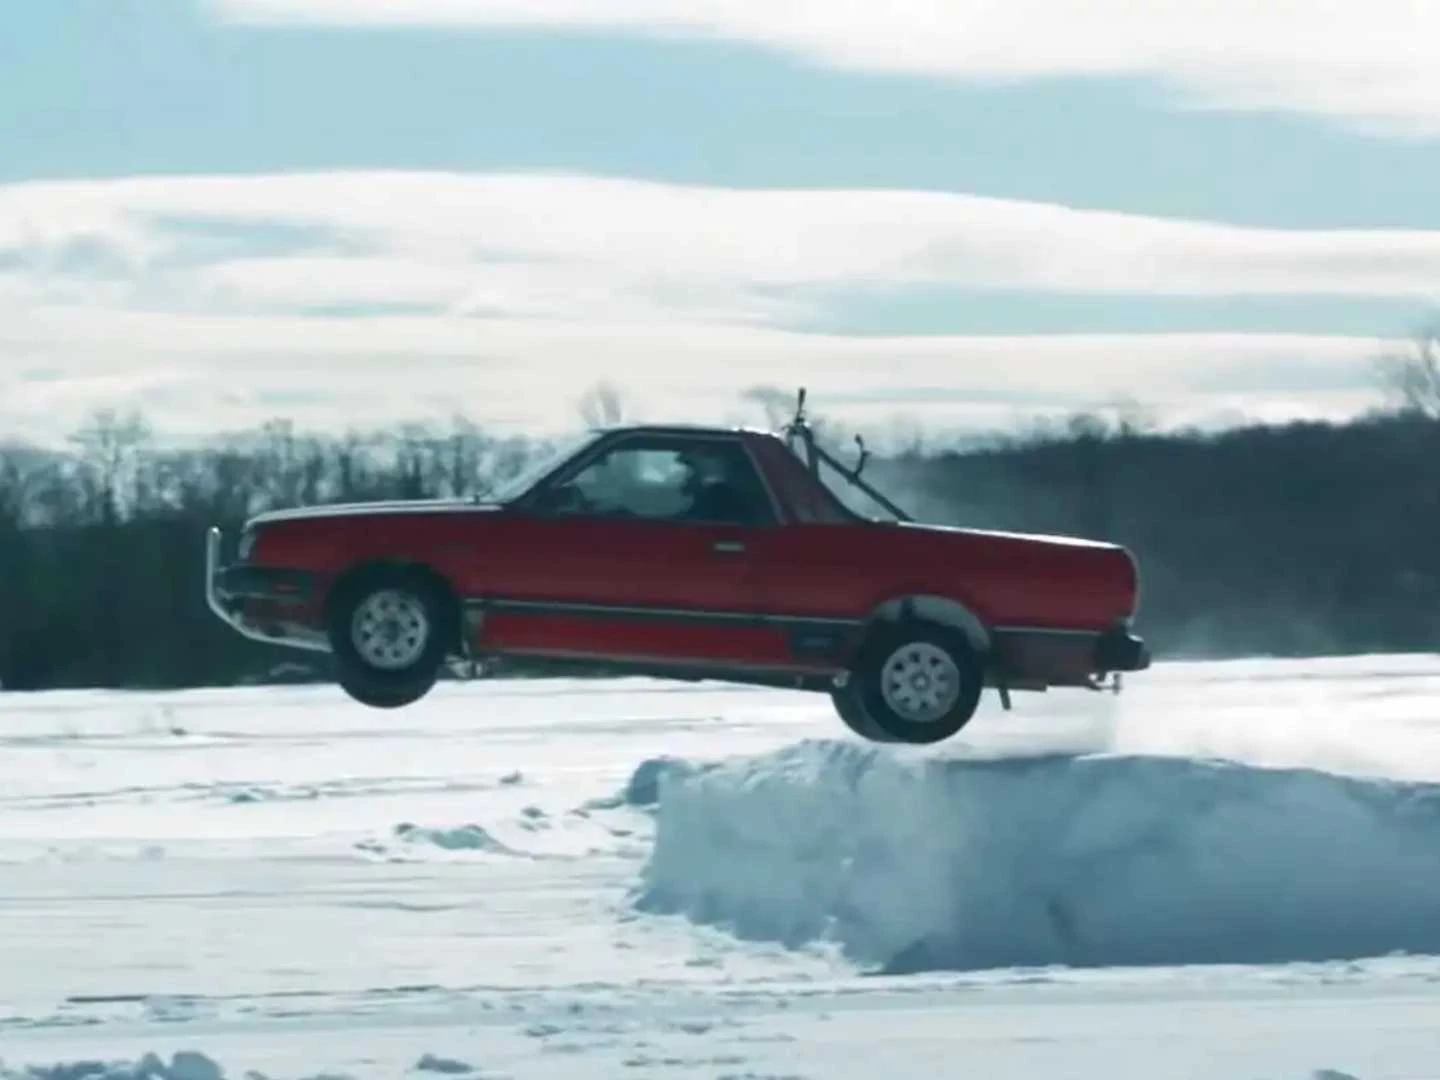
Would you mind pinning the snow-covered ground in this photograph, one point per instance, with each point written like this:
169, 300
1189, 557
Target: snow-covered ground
507, 881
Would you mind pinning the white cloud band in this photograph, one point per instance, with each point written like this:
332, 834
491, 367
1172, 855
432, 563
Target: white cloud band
542, 241
1368, 62
215, 301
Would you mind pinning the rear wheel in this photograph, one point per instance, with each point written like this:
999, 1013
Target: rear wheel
852, 713
389, 630
915, 683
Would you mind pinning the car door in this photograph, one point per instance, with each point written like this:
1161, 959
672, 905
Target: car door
624, 558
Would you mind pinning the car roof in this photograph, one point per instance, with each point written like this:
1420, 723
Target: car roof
683, 429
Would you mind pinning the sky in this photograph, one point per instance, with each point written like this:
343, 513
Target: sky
944, 214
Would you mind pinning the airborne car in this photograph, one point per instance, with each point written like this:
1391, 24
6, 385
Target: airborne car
689, 553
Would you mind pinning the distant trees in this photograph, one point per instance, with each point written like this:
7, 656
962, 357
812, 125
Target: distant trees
1412, 377
101, 544
603, 405
1294, 539
1289, 539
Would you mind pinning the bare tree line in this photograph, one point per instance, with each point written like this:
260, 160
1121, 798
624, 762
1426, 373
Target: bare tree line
1411, 378
101, 542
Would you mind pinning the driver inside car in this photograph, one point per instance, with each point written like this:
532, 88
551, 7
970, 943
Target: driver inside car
713, 493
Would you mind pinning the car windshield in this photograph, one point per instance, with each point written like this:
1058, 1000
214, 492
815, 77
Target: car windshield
548, 460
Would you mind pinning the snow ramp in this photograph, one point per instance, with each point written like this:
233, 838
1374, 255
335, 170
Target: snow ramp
912, 862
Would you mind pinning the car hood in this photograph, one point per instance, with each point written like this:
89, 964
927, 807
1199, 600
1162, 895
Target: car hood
372, 509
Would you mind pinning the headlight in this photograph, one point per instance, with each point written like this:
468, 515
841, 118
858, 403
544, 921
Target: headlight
247, 545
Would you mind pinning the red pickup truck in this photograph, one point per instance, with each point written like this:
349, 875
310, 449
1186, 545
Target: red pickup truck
689, 553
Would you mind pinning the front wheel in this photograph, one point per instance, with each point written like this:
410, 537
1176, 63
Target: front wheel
914, 683
388, 635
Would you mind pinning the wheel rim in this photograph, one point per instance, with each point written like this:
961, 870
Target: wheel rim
920, 683
390, 629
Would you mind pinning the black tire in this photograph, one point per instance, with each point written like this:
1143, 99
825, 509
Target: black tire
364, 688
851, 711
390, 629
925, 665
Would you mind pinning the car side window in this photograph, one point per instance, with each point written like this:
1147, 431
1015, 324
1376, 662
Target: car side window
638, 482
704, 481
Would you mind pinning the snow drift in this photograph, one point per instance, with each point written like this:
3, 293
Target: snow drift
190, 1065
185, 1065
918, 863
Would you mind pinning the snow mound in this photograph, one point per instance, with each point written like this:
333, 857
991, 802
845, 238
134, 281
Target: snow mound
915, 863
460, 838
643, 788
184, 1065
447, 1066
192, 1065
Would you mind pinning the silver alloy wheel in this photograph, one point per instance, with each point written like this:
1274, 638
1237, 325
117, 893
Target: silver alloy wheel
920, 682
390, 629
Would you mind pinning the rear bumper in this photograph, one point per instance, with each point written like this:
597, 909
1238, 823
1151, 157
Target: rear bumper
1030, 657
264, 604
1119, 650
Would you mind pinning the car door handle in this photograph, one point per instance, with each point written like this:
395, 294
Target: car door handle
728, 547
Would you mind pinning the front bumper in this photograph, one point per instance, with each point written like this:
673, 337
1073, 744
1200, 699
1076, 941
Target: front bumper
235, 593
1119, 650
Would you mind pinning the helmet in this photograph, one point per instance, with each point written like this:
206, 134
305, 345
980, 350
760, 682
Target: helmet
706, 465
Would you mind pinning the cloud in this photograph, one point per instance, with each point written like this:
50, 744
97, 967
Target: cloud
361, 297
197, 374
528, 241
1367, 63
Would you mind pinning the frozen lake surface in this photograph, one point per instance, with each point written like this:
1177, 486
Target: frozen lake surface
1232, 870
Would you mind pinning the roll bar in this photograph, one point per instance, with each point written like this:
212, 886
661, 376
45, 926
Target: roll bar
814, 455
